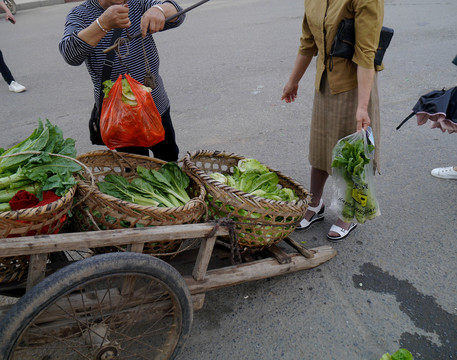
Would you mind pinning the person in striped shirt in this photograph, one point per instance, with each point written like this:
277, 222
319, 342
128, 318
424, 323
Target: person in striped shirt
88, 31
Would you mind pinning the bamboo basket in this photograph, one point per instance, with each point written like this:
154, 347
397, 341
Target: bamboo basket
259, 222
98, 211
42, 220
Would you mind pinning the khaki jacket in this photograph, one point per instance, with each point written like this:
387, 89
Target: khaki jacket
320, 25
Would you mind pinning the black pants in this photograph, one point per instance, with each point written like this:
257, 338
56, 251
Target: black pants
6, 73
166, 150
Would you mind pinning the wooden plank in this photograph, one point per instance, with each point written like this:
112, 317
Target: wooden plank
260, 269
203, 258
197, 301
135, 247
300, 248
28, 245
281, 256
37, 268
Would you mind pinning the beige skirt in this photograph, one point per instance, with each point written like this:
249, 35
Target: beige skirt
334, 118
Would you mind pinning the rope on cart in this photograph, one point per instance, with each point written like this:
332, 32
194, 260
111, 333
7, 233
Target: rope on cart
234, 248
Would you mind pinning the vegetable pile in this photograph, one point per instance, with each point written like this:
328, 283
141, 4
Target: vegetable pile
351, 157
37, 173
255, 178
128, 97
166, 187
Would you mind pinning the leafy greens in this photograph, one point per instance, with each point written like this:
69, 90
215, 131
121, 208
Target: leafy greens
350, 156
255, 178
35, 166
166, 187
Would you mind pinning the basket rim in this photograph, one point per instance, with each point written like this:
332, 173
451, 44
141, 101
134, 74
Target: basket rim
59, 203
84, 186
188, 162
119, 154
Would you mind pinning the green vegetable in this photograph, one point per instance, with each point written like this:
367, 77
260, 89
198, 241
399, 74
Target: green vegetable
359, 201
128, 97
255, 178
119, 187
165, 187
220, 177
170, 179
6, 195
43, 171
245, 165
401, 354
146, 188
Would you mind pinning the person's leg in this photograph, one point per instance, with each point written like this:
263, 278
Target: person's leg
167, 150
6, 73
318, 180
315, 211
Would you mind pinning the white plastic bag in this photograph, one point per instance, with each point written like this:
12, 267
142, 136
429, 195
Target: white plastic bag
352, 163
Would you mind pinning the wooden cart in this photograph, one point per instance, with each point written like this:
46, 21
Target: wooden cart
126, 305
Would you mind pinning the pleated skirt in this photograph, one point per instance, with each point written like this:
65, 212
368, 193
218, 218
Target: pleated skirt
333, 118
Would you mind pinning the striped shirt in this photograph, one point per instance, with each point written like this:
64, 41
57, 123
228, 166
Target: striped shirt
75, 51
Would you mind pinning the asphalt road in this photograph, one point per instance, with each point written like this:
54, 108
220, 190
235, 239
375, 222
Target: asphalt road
393, 282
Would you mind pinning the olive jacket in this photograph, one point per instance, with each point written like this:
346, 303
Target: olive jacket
320, 25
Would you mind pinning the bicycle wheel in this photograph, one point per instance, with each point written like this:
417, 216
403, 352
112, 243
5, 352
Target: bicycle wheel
11, 5
110, 306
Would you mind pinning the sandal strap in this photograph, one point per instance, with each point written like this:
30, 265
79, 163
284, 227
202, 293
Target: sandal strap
339, 230
317, 208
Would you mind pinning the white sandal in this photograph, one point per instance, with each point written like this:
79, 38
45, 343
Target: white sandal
342, 233
318, 216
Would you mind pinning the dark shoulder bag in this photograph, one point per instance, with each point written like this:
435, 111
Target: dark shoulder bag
343, 44
94, 121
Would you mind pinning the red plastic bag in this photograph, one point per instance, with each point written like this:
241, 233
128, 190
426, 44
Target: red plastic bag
123, 125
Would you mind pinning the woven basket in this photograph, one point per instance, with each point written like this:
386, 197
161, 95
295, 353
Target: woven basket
98, 211
259, 222
47, 219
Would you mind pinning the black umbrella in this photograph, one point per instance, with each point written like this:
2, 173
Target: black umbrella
438, 106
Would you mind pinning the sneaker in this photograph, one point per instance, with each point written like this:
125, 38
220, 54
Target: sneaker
445, 173
16, 87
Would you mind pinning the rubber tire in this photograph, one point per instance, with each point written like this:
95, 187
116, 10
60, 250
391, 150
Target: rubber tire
64, 280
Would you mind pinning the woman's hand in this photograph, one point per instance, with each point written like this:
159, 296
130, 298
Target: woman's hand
152, 21
290, 92
363, 119
116, 16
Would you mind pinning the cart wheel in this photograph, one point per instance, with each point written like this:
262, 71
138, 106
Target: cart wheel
110, 306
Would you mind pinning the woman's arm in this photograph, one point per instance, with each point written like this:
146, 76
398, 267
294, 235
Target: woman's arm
290, 90
365, 83
116, 16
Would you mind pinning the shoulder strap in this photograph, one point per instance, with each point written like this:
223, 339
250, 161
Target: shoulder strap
108, 64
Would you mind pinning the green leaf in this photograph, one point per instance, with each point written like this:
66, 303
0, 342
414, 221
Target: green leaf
35, 142
245, 165
402, 354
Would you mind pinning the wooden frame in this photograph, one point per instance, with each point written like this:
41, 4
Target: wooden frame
201, 280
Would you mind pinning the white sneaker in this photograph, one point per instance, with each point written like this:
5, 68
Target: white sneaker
445, 173
16, 87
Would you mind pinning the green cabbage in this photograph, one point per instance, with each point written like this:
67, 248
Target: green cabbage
255, 178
